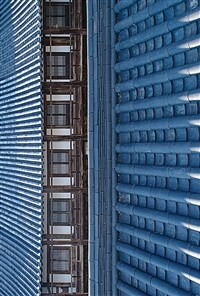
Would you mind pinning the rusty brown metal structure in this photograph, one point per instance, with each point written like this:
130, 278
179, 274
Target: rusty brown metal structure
65, 231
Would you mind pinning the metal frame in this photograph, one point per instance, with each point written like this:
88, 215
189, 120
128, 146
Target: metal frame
67, 58
65, 4
75, 88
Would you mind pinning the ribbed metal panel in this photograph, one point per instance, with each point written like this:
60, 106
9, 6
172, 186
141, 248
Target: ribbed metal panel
20, 148
158, 112
101, 170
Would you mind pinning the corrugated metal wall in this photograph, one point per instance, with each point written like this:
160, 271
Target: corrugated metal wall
158, 115
155, 240
100, 155
20, 148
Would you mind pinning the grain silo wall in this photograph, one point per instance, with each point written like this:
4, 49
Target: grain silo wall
154, 137
20, 148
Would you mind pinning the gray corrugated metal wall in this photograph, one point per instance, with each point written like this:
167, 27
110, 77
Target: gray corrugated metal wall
20, 148
157, 150
158, 147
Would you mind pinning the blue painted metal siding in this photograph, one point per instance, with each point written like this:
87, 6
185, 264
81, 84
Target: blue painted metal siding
101, 106
158, 145
20, 148
150, 123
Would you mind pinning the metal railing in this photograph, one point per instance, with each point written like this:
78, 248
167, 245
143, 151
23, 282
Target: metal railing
77, 187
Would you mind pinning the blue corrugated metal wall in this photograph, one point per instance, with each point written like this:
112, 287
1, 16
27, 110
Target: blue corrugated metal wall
157, 233
158, 147
101, 92
20, 148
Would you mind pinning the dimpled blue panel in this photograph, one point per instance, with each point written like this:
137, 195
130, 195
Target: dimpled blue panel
20, 148
158, 146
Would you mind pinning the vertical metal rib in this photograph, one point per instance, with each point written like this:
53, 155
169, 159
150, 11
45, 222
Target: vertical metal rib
20, 148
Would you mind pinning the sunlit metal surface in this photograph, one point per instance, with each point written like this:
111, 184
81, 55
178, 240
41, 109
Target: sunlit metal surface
20, 148
157, 147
